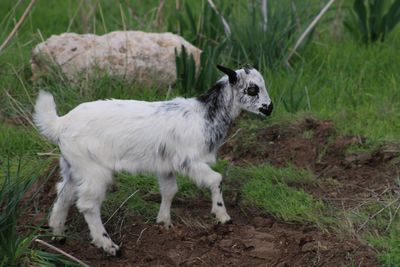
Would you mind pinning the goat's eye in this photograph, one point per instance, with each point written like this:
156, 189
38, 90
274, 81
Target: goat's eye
253, 90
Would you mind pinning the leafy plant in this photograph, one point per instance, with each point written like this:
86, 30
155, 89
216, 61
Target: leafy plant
15, 249
191, 80
205, 30
368, 21
264, 39
199, 28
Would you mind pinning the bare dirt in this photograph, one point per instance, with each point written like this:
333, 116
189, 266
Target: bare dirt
254, 238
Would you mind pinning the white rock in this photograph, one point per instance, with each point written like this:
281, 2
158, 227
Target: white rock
146, 58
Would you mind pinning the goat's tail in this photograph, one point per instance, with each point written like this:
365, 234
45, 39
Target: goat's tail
45, 116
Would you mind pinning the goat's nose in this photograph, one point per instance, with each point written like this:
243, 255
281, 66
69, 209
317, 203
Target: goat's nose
266, 109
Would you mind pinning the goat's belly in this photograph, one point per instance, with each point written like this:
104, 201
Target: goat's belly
175, 163
150, 165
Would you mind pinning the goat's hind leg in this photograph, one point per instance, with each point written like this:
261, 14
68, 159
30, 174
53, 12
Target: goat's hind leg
66, 195
91, 193
168, 189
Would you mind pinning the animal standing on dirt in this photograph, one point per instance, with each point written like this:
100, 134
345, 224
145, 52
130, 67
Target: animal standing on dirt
99, 138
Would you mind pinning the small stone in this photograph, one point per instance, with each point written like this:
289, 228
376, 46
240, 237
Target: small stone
259, 222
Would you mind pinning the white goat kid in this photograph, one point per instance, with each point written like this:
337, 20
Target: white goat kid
100, 138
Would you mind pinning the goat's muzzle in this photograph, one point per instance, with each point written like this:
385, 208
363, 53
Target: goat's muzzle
266, 109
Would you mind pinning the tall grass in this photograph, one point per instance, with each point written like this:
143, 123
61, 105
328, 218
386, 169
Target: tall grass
17, 249
371, 21
262, 40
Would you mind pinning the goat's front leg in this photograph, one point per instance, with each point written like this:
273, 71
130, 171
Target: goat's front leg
204, 175
168, 189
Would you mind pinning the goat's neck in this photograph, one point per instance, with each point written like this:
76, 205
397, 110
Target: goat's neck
221, 109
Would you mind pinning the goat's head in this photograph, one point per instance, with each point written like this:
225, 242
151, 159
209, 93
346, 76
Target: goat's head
249, 88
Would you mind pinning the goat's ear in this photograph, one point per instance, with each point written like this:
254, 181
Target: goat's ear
231, 73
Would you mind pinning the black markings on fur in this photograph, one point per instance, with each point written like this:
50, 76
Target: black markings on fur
220, 204
220, 189
247, 68
185, 164
106, 235
67, 165
119, 253
92, 156
162, 150
170, 106
217, 114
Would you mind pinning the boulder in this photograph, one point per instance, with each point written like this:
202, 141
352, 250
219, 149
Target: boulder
145, 58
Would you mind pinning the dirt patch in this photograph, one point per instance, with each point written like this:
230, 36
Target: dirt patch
343, 179
252, 240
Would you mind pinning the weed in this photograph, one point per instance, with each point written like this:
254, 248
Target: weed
15, 249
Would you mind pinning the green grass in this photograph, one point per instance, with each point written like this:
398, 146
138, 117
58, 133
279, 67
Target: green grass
380, 227
16, 249
389, 244
266, 187
20, 141
357, 87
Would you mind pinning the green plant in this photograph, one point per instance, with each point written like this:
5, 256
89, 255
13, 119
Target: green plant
199, 28
16, 249
264, 39
191, 80
205, 30
371, 20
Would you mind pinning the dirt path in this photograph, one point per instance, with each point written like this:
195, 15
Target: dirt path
252, 240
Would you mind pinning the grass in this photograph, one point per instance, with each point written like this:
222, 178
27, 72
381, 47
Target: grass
381, 228
20, 141
17, 249
336, 82
332, 78
267, 187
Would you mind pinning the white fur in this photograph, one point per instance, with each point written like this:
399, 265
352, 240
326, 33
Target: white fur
99, 138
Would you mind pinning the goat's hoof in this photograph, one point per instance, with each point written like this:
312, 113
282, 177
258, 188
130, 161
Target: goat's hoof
224, 219
166, 223
166, 226
119, 253
114, 250
59, 239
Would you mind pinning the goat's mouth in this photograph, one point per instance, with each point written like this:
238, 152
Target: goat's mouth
262, 115
266, 110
